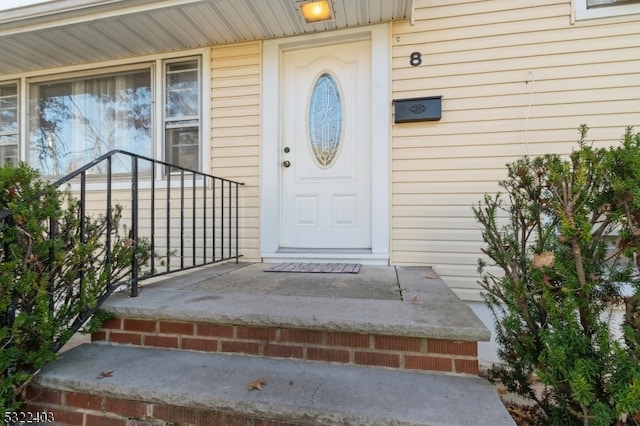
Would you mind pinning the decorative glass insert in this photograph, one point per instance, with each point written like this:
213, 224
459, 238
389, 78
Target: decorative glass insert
325, 120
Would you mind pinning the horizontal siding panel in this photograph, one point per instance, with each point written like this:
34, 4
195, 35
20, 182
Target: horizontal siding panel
235, 102
486, 175
236, 135
430, 199
475, 187
445, 223
249, 49
236, 111
414, 257
433, 211
474, 163
237, 81
437, 234
441, 247
239, 121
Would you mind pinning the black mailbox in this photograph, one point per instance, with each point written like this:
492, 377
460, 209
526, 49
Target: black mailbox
418, 109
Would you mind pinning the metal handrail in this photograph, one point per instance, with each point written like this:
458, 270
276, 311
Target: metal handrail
213, 214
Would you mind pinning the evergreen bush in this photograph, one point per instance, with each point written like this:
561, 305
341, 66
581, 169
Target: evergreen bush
50, 286
562, 240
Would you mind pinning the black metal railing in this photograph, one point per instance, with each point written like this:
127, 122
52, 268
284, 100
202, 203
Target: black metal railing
183, 218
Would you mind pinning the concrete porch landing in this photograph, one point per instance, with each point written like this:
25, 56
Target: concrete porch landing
400, 301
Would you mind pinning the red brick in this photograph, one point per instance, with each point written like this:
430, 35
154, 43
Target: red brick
452, 347
215, 330
98, 336
353, 340
148, 326
126, 408
469, 366
174, 414
44, 396
105, 421
283, 351
241, 347
301, 336
398, 343
205, 345
212, 418
377, 358
257, 333
170, 327
83, 400
126, 338
113, 324
431, 363
329, 355
161, 341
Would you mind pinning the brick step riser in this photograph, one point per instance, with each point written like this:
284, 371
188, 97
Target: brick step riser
409, 353
73, 408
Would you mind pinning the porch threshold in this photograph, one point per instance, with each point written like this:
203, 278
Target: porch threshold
289, 254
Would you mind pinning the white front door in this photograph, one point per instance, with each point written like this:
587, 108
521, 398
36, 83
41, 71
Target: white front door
325, 149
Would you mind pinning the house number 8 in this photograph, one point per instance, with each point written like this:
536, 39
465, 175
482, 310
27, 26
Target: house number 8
415, 59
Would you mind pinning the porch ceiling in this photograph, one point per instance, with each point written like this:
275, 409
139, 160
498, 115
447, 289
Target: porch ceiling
67, 32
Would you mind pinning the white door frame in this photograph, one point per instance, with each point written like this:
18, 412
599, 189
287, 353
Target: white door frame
380, 143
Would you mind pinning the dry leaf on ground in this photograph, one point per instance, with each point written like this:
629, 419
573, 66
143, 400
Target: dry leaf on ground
257, 384
104, 374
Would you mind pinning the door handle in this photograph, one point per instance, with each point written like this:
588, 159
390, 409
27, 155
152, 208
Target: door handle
286, 164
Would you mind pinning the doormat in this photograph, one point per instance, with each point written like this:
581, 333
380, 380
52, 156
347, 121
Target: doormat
316, 268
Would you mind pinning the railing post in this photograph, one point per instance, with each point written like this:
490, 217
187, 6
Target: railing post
237, 225
134, 226
9, 316
109, 225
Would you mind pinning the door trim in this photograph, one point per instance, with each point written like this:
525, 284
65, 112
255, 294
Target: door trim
380, 133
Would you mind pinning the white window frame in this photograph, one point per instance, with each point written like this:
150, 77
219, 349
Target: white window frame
169, 122
157, 81
18, 116
582, 13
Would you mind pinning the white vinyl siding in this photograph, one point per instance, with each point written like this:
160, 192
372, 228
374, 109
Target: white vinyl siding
235, 131
516, 78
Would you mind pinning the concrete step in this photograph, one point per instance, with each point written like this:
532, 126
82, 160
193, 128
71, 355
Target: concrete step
96, 384
395, 334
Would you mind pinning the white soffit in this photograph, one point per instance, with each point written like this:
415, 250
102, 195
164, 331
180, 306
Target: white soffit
68, 32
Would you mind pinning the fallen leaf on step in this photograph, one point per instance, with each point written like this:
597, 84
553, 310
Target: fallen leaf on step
104, 374
415, 299
257, 384
431, 277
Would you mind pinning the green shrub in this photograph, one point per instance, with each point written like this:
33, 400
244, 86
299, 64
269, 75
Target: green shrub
564, 236
51, 286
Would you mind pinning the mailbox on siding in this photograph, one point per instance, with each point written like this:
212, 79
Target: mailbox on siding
418, 109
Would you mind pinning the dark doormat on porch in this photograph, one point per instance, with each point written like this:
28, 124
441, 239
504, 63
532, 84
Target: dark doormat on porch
317, 268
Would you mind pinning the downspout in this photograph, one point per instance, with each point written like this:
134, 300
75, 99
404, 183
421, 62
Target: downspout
412, 18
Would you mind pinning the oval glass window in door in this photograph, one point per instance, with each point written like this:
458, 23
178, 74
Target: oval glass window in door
325, 120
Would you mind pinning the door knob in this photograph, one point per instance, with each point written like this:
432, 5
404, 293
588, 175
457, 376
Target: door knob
286, 163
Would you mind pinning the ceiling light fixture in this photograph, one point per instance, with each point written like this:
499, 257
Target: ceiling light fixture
315, 11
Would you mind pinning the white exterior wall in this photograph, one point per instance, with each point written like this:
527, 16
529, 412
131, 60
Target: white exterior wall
516, 78
235, 131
